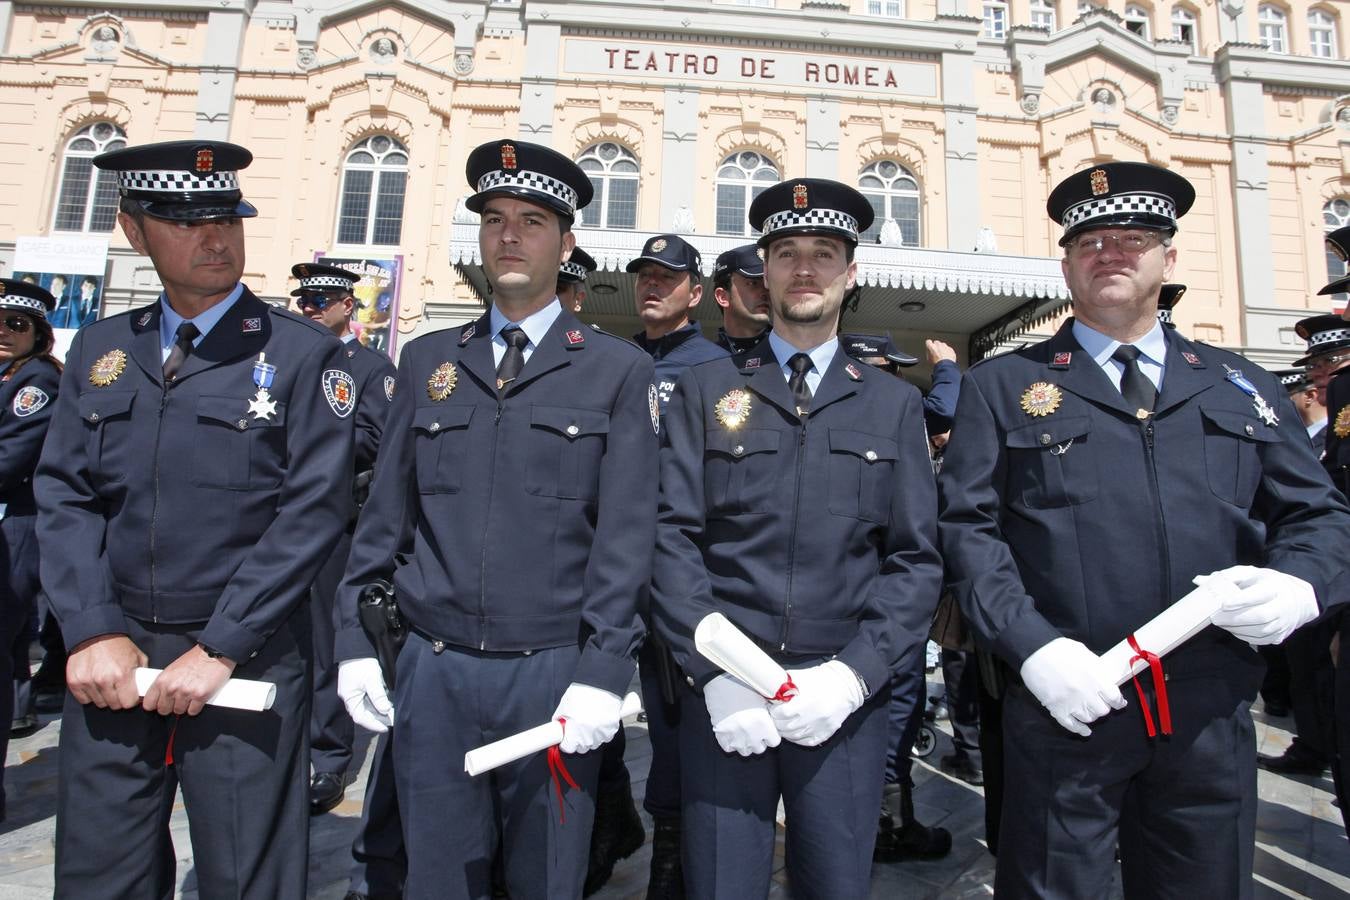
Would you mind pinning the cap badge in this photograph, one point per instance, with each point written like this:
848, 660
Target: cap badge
206, 160
658, 245
1341, 428
1099, 183
1041, 399
509, 156
759, 251
442, 381
799, 197
654, 407
107, 368
733, 409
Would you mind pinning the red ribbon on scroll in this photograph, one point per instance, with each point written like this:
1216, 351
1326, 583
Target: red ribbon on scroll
1159, 687
786, 691
556, 768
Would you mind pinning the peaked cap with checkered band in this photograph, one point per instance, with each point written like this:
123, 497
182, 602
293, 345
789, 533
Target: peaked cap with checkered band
578, 266
1120, 195
528, 172
810, 206
317, 278
1324, 334
1338, 242
182, 180
25, 297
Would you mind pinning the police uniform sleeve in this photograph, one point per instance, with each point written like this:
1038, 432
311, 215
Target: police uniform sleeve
620, 564
372, 408
70, 523
939, 405
385, 524
899, 610
980, 565
312, 510
23, 426
681, 590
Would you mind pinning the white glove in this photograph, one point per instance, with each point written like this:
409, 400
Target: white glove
827, 694
740, 717
361, 687
592, 716
1068, 680
1267, 605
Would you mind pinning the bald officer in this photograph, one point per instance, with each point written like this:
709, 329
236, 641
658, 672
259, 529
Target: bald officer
1089, 479
514, 509
195, 476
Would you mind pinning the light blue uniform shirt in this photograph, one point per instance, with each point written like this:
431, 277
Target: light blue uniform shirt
170, 320
821, 357
1152, 352
535, 326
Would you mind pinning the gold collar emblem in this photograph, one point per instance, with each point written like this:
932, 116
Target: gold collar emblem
1041, 399
1341, 428
733, 409
107, 368
442, 381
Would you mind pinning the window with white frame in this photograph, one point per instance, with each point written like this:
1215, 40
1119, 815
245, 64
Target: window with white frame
995, 18
87, 197
1184, 29
893, 192
374, 183
890, 8
1321, 34
1043, 14
1336, 214
613, 171
742, 177
1271, 24
1136, 20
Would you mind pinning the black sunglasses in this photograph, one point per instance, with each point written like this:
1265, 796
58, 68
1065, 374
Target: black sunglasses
318, 301
18, 324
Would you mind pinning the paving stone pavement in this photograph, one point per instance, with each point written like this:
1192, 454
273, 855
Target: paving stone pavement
1301, 849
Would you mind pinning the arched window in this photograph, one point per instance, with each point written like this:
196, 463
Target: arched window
1184, 29
742, 177
1043, 14
1336, 214
1136, 20
894, 194
1271, 26
374, 182
613, 171
1321, 34
87, 197
995, 17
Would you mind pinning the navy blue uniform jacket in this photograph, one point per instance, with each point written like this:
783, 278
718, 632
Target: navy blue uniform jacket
815, 536
374, 373
675, 352
1336, 451
27, 397
181, 506
522, 524
1087, 523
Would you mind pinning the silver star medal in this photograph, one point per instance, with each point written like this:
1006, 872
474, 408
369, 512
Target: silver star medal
262, 406
1265, 411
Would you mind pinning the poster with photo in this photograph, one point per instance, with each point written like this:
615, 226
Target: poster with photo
72, 268
376, 298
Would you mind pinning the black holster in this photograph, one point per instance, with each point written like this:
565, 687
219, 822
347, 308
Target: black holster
378, 611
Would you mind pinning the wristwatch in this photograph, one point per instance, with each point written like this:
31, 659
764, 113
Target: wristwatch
213, 654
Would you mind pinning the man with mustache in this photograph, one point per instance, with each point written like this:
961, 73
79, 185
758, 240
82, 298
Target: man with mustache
797, 499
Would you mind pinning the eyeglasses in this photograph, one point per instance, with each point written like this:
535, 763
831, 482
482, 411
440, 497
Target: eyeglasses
1326, 362
17, 324
1131, 243
318, 301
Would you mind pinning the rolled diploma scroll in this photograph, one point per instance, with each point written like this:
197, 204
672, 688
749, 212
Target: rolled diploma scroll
237, 693
541, 737
1169, 629
726, 646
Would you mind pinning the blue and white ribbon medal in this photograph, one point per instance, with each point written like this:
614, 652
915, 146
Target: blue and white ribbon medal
1263, 409
262, 406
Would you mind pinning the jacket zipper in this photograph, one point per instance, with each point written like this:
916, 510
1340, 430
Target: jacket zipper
792, 540
154, 511
482, 565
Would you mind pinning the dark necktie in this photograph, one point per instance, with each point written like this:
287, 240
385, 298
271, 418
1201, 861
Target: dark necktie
800, 364
182, 349
1134, 384
513, 360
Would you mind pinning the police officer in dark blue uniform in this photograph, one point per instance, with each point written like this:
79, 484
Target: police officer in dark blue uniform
1089, 479
738, 287
514, 507
325, 296
572, 275
29, 378
196, 474
1311, 411
797, 498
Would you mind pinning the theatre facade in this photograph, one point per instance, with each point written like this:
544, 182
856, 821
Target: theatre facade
955, 117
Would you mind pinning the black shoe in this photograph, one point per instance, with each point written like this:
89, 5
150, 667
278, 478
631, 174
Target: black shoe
617, 834
665, 881
23, 725
958, 765
325, 792
1293, 762
911, 841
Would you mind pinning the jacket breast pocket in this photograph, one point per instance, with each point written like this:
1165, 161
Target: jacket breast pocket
1048, 466
236, 450
740, 470
440, 438
862, 469
565, 450
109, 439
1233, 444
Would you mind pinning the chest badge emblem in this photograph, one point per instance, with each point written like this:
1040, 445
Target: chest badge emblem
1341, 428
1041, 399
733, 409
107, 368
442, 381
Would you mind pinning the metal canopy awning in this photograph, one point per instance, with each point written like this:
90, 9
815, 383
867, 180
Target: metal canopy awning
981, 299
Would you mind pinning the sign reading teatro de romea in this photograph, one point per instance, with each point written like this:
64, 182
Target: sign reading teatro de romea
751, 66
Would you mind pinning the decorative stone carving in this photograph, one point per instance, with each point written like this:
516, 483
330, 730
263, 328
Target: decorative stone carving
683, 221
1170, 114
1031, 104
463, 62
1343, 117
1104, 100
306, 58
383, 51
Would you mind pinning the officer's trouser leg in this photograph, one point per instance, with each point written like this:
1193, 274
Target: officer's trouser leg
331, 730
380, 862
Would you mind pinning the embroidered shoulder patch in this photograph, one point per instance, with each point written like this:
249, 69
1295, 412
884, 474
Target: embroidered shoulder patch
29, 400
339, 389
